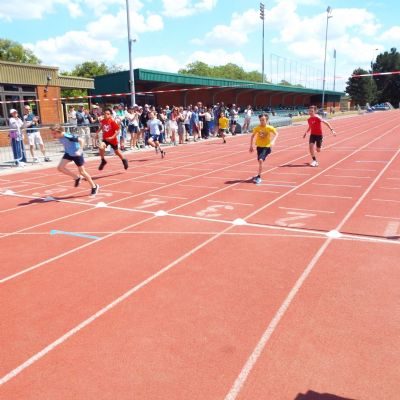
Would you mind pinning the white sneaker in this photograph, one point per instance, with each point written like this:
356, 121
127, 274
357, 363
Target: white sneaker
35, 159
314, 163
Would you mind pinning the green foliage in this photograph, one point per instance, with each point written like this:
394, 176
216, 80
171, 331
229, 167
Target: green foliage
88, 69
361, 90
227, 71
388, 86
15, 52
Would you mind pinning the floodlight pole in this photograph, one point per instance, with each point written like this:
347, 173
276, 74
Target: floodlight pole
262, 7
328, 15
130, 42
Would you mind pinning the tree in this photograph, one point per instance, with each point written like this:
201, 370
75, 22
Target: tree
388, 86
362, 90
15, 52
88, 69
227, 71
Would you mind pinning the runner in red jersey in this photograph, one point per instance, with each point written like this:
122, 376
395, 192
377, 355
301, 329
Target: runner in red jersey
110, 131
315, 129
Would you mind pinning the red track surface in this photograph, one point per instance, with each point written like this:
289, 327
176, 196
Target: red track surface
191, 306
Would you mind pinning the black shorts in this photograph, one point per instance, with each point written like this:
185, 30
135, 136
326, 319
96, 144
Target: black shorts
133, 129
113, 146
262, 152
78, 160
317, 139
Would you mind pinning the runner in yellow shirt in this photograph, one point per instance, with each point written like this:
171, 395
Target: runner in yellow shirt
223, 125
265, 136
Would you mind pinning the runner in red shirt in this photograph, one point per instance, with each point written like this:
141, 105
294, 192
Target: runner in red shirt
110, 131
315, 129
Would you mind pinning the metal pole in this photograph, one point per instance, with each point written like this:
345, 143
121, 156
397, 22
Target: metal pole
334, 70
130, 42
262, 16
328, 12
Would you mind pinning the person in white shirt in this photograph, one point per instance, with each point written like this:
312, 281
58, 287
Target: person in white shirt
247, 119
155, 127
17, 138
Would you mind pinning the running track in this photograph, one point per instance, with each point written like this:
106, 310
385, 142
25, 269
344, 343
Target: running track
183, 280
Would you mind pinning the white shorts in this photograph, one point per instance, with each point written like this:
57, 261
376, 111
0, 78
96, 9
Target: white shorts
34, 138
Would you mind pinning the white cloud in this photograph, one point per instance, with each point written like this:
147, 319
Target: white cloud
391, 36
234, 34
115, 26
72, 48
184, 8
28, 9
159, 63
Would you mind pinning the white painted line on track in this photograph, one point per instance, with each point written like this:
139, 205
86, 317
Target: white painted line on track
364, 161
304, 209
393, 179
390, 201
323, 195
334, 184
355, 169
380, 216
168, 197
230, 202
257, 190
350, 176
200, 186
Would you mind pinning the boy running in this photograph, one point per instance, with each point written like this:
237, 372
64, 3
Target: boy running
110, 130
73, 146
315, 129
266, 136
223, 125
155, 129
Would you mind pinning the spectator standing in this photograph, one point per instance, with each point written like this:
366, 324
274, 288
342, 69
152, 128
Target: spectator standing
17, 138
31, 123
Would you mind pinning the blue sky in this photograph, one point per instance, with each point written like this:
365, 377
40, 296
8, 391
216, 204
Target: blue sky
172, 33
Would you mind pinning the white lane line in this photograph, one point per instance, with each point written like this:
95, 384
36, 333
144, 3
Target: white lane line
334, 184
323, 195
355, 169
200, 186
350, 176
381, 217
168, 197
390, 201
157, 183
389, 188
229, 202
304, 209
393, 179
290, 173
364, 161
276, 185
251, 361
257, 190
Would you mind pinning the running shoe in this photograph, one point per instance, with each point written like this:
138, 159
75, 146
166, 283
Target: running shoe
95, 190
125, 162
162, 153
314, 163
102, 164
77, 181
47, 159
257, 180
254, 178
